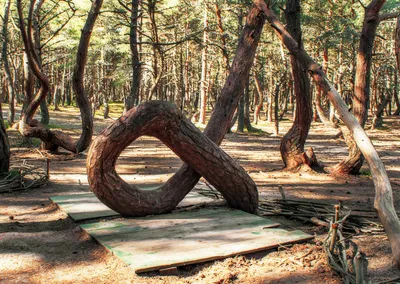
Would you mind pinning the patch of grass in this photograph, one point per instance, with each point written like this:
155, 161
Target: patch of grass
6, 124
365, 173
29, 142
116, 110
11, 174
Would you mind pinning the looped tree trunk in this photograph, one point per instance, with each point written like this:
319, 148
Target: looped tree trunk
165, 122
182, 182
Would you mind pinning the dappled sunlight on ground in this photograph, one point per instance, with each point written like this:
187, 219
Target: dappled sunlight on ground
38, 241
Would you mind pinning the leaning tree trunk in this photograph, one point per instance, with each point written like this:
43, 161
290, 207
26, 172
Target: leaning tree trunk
292, 144
30, 127
383, 191
178, 186
353, 163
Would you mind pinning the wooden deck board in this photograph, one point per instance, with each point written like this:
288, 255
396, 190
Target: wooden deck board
86, 206
158, 242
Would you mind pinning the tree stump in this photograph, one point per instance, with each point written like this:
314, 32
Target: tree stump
165, 122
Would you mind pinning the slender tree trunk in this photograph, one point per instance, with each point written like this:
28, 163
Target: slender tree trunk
292, 144
396, 92
4, 146
377, 120
276, 107
157, 51
78, 75
240, 117
28, 83
133, 97
260, 101
270, 97
5, 59
222, 37
353, 163
397, 51
247, 122
203, 80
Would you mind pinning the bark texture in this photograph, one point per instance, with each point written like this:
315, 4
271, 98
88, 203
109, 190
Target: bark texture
353, 163
383, 191
292, 144
32, 128
204, 63
7, 71
180, 184
259, 100
4, 147
165, 122
133, 97
397, 50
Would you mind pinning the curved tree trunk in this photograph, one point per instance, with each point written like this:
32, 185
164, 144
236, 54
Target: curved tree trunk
353, 163
292, 144
164, 121
31, 128
383, 191
180, 184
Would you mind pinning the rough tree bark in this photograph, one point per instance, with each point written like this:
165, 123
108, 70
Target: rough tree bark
203, 80
44, 110
292, 144
397, 51
4, 146
353, 163
383, 191
259, 101
222, 36
246, 117
28, 83
133, 97
180, 184
164, 121
7, 71
30, 127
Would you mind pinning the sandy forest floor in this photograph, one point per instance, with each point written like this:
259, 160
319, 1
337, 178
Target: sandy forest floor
40, 244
